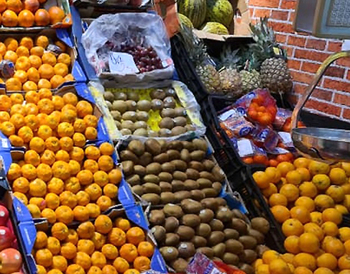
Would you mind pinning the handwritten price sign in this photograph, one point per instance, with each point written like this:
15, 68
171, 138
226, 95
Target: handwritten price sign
122, 63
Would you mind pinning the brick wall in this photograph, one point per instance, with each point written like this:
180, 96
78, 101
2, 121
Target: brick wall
306, 53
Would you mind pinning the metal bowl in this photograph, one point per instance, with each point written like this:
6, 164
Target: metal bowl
325, 144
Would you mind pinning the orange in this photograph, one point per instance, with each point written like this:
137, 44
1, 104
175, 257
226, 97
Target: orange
323, 270
79, 139
62, 70
52, 120
44, 132
342, 209
31, 108
110, 251
306, 260
26, 19
281, 213
83, 199
37, 188
344, 234
69, 77
115, 176
269, 256
26, 42
32, 97
145, 249
42, 18
64, 214
92, 152
292, 227
46, 71
49, 58
336, 193
272, 189
314, 229
104, 202
59, 231
327, 260
308, 242
94, 191
37, 144
2, 45
300, 213
105, 163
83, 260
11, 43
65, 130
66, 143
61, 170
305, 173
91, 133
43, 257
128, 252
294, 177
68, 250
44, 172
301, 162
316, 217
121, 265
318, 168
84, 108
13, 84
72, 237
23, 63
86, 246
81, 213
21, 75
23, 198
64, 58
35, 61
49, 214
4, 116
337, 176
11, 56
142, 263
56, 81
72, 184
16, 141
347, 247
85, 177
54, 245
291, 244
46, 106
91, 165
99, 240
68, 198
60, 263
34, 210
40, 240
75, 269
68, 116
321, 181
332, 215
290, 191
42, 41
16, 98
103, 224
52, 143
14, 172
17, 120
56, 15
117, 237
32, 157
135, 235
62, 155
106, 149
110, 190
69, 107
20, 184
323, 201
33, 77
284, 168
330, 229
74, 167
98, 259
86, 230
10, 19
109, 269
335, 247
101, 178
70, 98
52, 200
29, 171
306, 202
94, 210
95, 270
344, 262
44, 83
90, 121
41, 269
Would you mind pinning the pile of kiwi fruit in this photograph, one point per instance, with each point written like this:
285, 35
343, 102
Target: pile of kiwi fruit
132, 114
168, 172
208, 226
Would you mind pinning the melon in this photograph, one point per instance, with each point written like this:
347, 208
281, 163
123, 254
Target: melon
195, 10
185, 20
216, 28
220, 11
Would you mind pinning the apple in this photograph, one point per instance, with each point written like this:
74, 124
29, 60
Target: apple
10, 261
6, 237
4, 215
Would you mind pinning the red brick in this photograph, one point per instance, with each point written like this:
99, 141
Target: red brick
296, 41
292, 16
322, 94
301, 77
316, 44
334, 46
294, 64
280, 38
251, 12
344, 62
310, 67
288, 4
348, 75
336, 85
341, 99
264, 3
279, 15
289, 51
335, 72
262, 13
282, 27
346, 113
310, 55
299, 88
323, 107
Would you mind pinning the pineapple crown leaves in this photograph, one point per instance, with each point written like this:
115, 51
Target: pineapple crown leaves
229, 58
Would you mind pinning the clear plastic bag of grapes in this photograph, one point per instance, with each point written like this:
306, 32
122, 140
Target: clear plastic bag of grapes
129, 47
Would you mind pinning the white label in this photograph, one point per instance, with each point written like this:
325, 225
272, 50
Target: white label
286, 137
122, 63
4, 143
245, 148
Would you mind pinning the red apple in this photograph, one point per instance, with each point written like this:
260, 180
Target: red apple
4, 215
10, 261
6, 237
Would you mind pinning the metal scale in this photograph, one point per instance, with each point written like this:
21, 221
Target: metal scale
325, 19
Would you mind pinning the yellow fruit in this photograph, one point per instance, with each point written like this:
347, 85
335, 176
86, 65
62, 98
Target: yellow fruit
261, 179
301, 162
290, 191
321, 181
337, 176
291, 244
318, 168
314, 229
279, 267
292, 227
330, 229
332, 215
285, 167
309, 243
308, 189
306, 260
337, 193
294, 177
270, 256
323, 202
274, 174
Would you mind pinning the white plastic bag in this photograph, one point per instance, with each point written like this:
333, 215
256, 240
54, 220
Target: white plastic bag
110, 32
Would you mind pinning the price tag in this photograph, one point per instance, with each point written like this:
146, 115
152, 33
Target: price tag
122, 63
245, 148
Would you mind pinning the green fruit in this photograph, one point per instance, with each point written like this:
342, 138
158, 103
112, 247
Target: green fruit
195, 10
220, 11
184, 20
216, 28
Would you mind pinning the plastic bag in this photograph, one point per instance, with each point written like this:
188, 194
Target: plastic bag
136, 36
281, 117
265, 137
234, 123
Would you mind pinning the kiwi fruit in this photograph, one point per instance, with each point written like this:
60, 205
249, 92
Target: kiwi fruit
230, 233
224, 214
216, 225
179, 165
207, 251
144, 105
186, 250
152, 133
173, 154
206, 215
207, 175
164, 132
219, 250
239, 225
215, 237
179, 175
132, 95
166, 187
200, 144
139, 170
152, 198
221, 201
196, 165
230, 258
133, 179
197, 195
157, 104
259, 237
167, 197
185, 155
180, 121
125, 131
169, 253
151, 188
167, 112
165, 176
180, 111
170, 92
158, 94
191, 185
163, 145
181, 195
260, 224
218, 174
177, 130
138, 190
260, 249
199, 241
161, 158
177, 145
210, 203
177, 185
116, 115
210, 192
248, 242
166, 122
171, 224
153, 168
128, 167
151, 178
238, 214
180, 265
171, 210
234, 246
131, 105
186, 233
248, 256
208, 165
136, 147
156, 217
217, 186
127, 124
120, 106
142, 116
192, 174
158, 233
168, 167
203, 230
169, 102
188, 145
191, 206
109, 96
191, 220
145, 159
248, 269
141, 132
109, 105
172, 239
140, 125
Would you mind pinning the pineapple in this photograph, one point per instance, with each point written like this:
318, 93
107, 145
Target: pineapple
204, 65
229, 76
271, 59
250, 80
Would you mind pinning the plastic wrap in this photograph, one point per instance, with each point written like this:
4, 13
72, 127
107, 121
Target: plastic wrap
113, 32
234, 123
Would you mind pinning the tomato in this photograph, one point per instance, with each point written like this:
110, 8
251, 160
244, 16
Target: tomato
248, 160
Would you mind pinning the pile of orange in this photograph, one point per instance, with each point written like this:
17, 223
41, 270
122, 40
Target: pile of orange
28, 13
101, 247
59, 177
35, 68
308, 198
